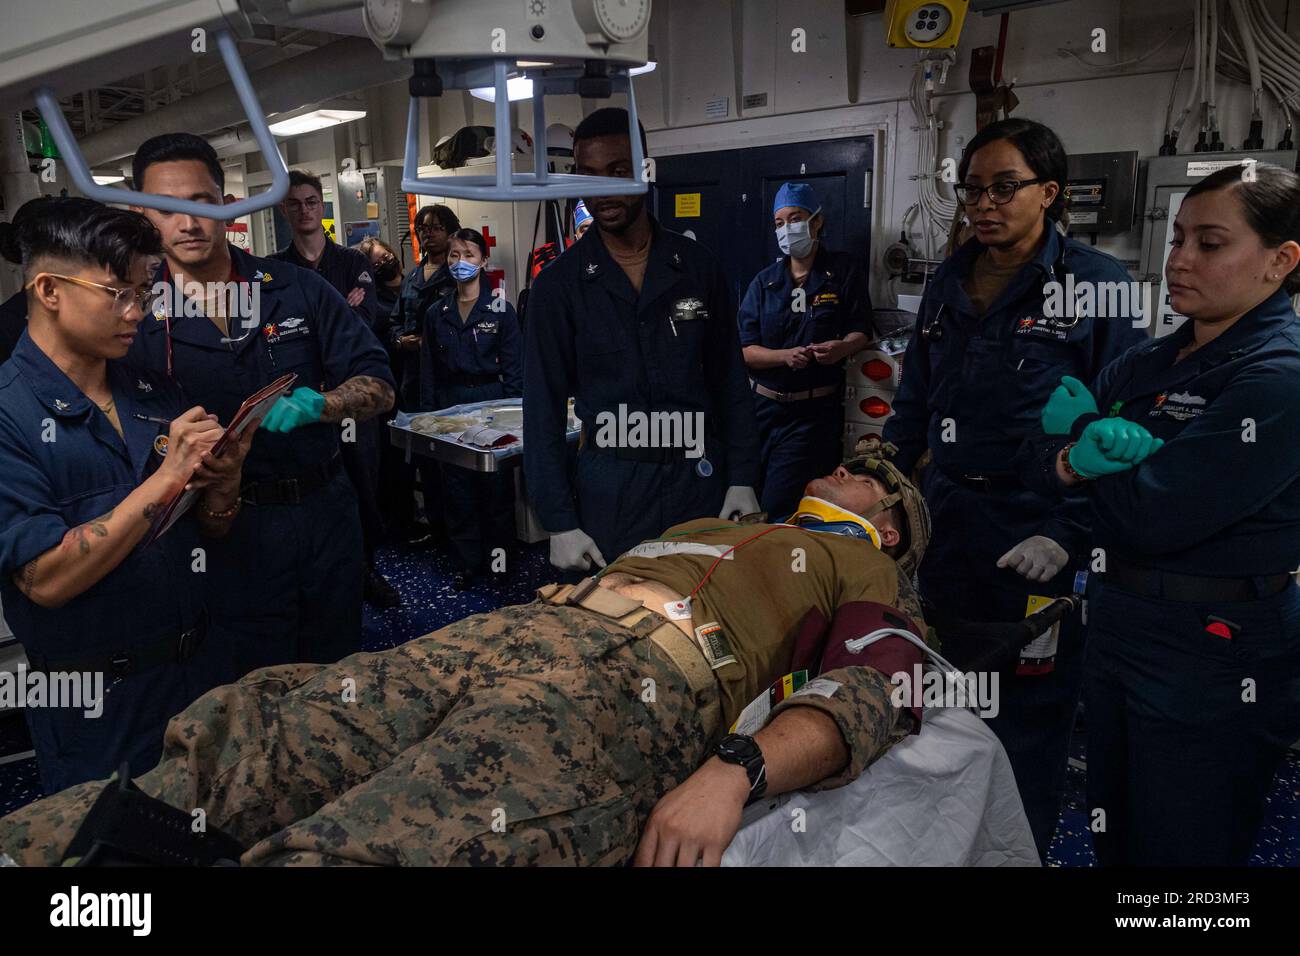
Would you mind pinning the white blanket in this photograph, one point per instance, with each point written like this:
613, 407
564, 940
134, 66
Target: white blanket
943, 797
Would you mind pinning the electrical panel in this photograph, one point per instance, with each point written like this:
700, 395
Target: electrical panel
1102, 188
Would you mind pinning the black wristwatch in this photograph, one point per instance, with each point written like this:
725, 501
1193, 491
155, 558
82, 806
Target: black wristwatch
743, 751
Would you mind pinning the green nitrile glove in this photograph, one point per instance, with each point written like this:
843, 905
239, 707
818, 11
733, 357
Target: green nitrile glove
303, 407
1070, 400
1111, 445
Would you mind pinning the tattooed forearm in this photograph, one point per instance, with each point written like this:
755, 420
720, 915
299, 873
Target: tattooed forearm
358, 398
26, 577
79, 537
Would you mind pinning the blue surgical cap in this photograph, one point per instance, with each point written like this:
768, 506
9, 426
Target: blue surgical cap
796, 194
580, 214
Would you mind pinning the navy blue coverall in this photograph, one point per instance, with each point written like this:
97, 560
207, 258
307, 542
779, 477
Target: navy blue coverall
972, 391
347, 269
1193, 692
477, 360
142, 625
407, 318
590, 335
285, 583
13, 319
804, 438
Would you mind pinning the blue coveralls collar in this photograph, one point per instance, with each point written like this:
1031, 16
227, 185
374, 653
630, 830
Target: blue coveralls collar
1156, 368
948, 281
821, 270
58, 393
597, 265
272, 275
451, 304
48, 382
291, 254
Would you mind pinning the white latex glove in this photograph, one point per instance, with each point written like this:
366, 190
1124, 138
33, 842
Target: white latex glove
1037, 558
575, 551
740, 501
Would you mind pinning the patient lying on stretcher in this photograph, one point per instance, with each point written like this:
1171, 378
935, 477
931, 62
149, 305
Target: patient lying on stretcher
584, 728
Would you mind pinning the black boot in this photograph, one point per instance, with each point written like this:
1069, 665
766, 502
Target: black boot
378, 592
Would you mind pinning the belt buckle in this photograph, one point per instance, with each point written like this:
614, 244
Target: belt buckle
288, 489
248, 493
123, 664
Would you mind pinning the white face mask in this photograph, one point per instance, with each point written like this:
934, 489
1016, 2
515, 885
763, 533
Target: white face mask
795, 239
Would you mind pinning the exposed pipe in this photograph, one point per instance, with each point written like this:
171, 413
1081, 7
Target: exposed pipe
332, 70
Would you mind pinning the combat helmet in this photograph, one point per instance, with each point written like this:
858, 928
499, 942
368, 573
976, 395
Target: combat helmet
872, 456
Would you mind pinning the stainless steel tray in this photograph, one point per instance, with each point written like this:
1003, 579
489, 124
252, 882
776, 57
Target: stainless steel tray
449, 451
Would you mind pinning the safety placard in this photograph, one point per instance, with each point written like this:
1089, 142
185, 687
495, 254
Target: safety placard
686, 205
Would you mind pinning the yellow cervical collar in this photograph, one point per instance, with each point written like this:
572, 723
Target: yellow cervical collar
821, 510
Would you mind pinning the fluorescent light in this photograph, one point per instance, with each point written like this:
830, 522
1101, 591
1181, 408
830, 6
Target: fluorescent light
107, 179
314, 120
517, 88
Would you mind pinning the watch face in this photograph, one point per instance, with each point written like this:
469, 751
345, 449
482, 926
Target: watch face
737, 748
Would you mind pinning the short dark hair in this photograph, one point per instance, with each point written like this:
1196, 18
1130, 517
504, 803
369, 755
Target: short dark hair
471, 235
607, 121
298, 177
176, 147
79, 230
1270, 201
446, 218
1043, 151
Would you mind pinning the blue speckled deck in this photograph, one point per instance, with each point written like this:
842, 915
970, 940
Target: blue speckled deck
429, 602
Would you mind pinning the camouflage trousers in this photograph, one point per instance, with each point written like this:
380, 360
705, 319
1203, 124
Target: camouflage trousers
535, 734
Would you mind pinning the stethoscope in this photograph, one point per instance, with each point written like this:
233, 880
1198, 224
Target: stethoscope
161, 303
932, 331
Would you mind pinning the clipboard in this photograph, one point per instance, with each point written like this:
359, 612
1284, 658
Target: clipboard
253, 409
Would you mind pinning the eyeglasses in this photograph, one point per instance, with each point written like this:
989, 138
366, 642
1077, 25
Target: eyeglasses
427, 228
122, 298
1001, 192
294, 206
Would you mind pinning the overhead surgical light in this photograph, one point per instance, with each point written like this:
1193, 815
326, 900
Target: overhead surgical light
521, 88
313, 120
572, 47
48, 103
517, 88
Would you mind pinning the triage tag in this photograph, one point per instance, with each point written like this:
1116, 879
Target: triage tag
714, 645
678, 610
1039, 655
755, 713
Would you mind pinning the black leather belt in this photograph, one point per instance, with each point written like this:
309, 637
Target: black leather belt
170, 650
1191, 588
290, 489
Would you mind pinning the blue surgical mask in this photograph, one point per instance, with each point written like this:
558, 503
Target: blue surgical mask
795, 239
463, 271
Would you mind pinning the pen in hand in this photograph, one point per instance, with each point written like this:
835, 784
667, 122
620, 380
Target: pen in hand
151, 418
